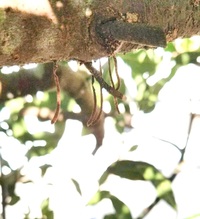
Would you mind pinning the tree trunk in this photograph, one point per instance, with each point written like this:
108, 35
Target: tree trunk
86, 30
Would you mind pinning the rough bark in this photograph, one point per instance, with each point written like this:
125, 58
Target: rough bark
87, 30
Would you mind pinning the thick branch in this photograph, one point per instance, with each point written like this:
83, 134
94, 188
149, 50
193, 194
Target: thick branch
84, 31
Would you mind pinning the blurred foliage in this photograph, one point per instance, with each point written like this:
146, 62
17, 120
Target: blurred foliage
122, 211
149, 70
148, 76
77, 186
46, 212
194, 216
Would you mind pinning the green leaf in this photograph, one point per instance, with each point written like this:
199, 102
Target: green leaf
133, 148
44, 168
46, 212
165, 192
14, 199
100, 195
103, 178
129, 169
77, 186
122, 211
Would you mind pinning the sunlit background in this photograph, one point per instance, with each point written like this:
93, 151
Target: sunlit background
69, 179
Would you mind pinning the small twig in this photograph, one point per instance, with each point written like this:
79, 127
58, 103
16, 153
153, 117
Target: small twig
111, 79
192, 116
117, 74
171, 178
149, 208
94, 118
110, 72
101, 81
56, 79
101, 96
160, 139
3, 188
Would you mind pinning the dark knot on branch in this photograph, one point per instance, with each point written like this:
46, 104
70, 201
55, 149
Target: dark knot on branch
112, 33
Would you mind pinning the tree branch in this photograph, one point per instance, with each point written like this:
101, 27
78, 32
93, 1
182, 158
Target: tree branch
101, 81
90, 30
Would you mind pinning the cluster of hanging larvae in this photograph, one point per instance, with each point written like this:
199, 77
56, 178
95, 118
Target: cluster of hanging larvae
96, 74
